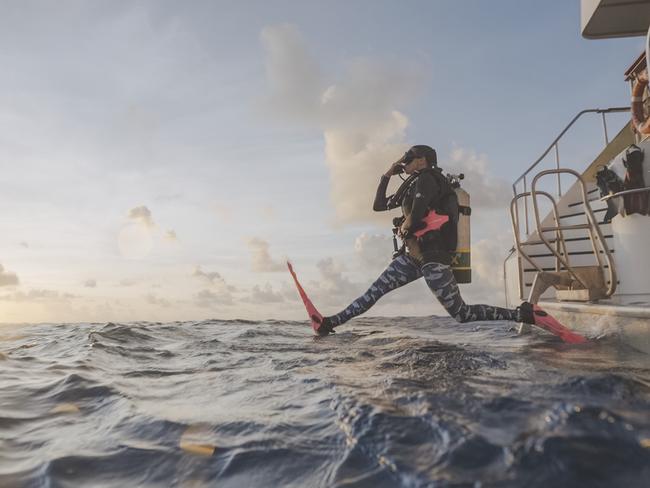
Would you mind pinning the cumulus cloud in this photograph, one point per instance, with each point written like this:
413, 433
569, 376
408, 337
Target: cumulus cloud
359, 114
211, 276
261, 260
487, 271
142, 215
289, 292
219, 293
264, 294
374, 250
38, 295
8, 278
90, 283
486, 190
333, 287
208, 298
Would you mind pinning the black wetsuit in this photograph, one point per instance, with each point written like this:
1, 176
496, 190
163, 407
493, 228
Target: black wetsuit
426, 192
429, 190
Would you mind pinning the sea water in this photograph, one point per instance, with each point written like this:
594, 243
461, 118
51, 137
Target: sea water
384, 402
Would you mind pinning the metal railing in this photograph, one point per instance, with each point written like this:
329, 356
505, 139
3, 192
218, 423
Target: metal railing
625, 192
557, 246
560, 243
554, 145
596, 237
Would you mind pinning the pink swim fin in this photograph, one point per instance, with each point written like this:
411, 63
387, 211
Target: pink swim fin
432, 221
314, 315
533, 314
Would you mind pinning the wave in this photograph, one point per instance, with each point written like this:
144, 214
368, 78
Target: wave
384, 402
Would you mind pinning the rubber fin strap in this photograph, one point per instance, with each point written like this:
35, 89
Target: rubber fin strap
549, 323
314, 315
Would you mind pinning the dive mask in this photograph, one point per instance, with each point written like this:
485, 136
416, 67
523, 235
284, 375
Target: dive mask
408, 157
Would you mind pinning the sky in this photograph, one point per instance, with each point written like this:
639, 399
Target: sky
162, 160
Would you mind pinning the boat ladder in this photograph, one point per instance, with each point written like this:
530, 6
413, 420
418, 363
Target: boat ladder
571, 282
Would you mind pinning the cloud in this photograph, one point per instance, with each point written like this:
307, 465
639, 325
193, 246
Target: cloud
7, 278
219, 293
266, 294
487, 271
38, 295
333, 286
359, 114
90, 283
208, 299
261, 260
211, 276
127, 282
356, 162
374, 250
24, 244
142, 215
485, 189
155, 300
171, 236
289, 292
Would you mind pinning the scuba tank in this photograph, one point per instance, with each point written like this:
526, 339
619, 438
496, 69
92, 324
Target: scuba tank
461, 263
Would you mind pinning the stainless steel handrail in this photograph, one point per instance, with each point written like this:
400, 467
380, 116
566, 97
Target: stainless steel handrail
559, 237
593, 228
564, 131
554, 144
625, 192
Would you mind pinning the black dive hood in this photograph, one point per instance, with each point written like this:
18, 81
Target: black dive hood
418, 151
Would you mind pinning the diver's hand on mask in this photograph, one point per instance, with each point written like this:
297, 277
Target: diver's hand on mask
395, 168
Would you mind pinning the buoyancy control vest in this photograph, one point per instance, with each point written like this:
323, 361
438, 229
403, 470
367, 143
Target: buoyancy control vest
451, 243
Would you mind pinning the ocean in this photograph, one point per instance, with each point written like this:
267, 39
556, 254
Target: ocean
384, 402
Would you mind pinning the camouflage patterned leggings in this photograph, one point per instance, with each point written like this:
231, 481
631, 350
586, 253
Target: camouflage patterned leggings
439, 279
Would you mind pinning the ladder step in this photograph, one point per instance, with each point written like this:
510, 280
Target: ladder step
570, 239
566, 227
531, 243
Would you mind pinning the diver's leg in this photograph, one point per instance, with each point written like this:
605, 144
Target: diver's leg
440, 279
400, 271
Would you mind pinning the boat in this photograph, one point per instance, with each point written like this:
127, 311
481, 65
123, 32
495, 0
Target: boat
582, 248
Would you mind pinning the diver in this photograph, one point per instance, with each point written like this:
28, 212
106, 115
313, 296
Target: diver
429, 255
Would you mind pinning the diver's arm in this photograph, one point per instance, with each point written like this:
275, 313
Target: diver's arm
381, 202
426, 190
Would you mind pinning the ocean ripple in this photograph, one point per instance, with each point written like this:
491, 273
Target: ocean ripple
384, 402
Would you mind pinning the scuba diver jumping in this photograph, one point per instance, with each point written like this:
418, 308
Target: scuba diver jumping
428, 245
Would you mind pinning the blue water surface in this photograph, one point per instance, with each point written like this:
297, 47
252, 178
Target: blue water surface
383, 403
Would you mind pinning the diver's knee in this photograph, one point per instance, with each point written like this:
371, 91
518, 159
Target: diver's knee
459, 314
